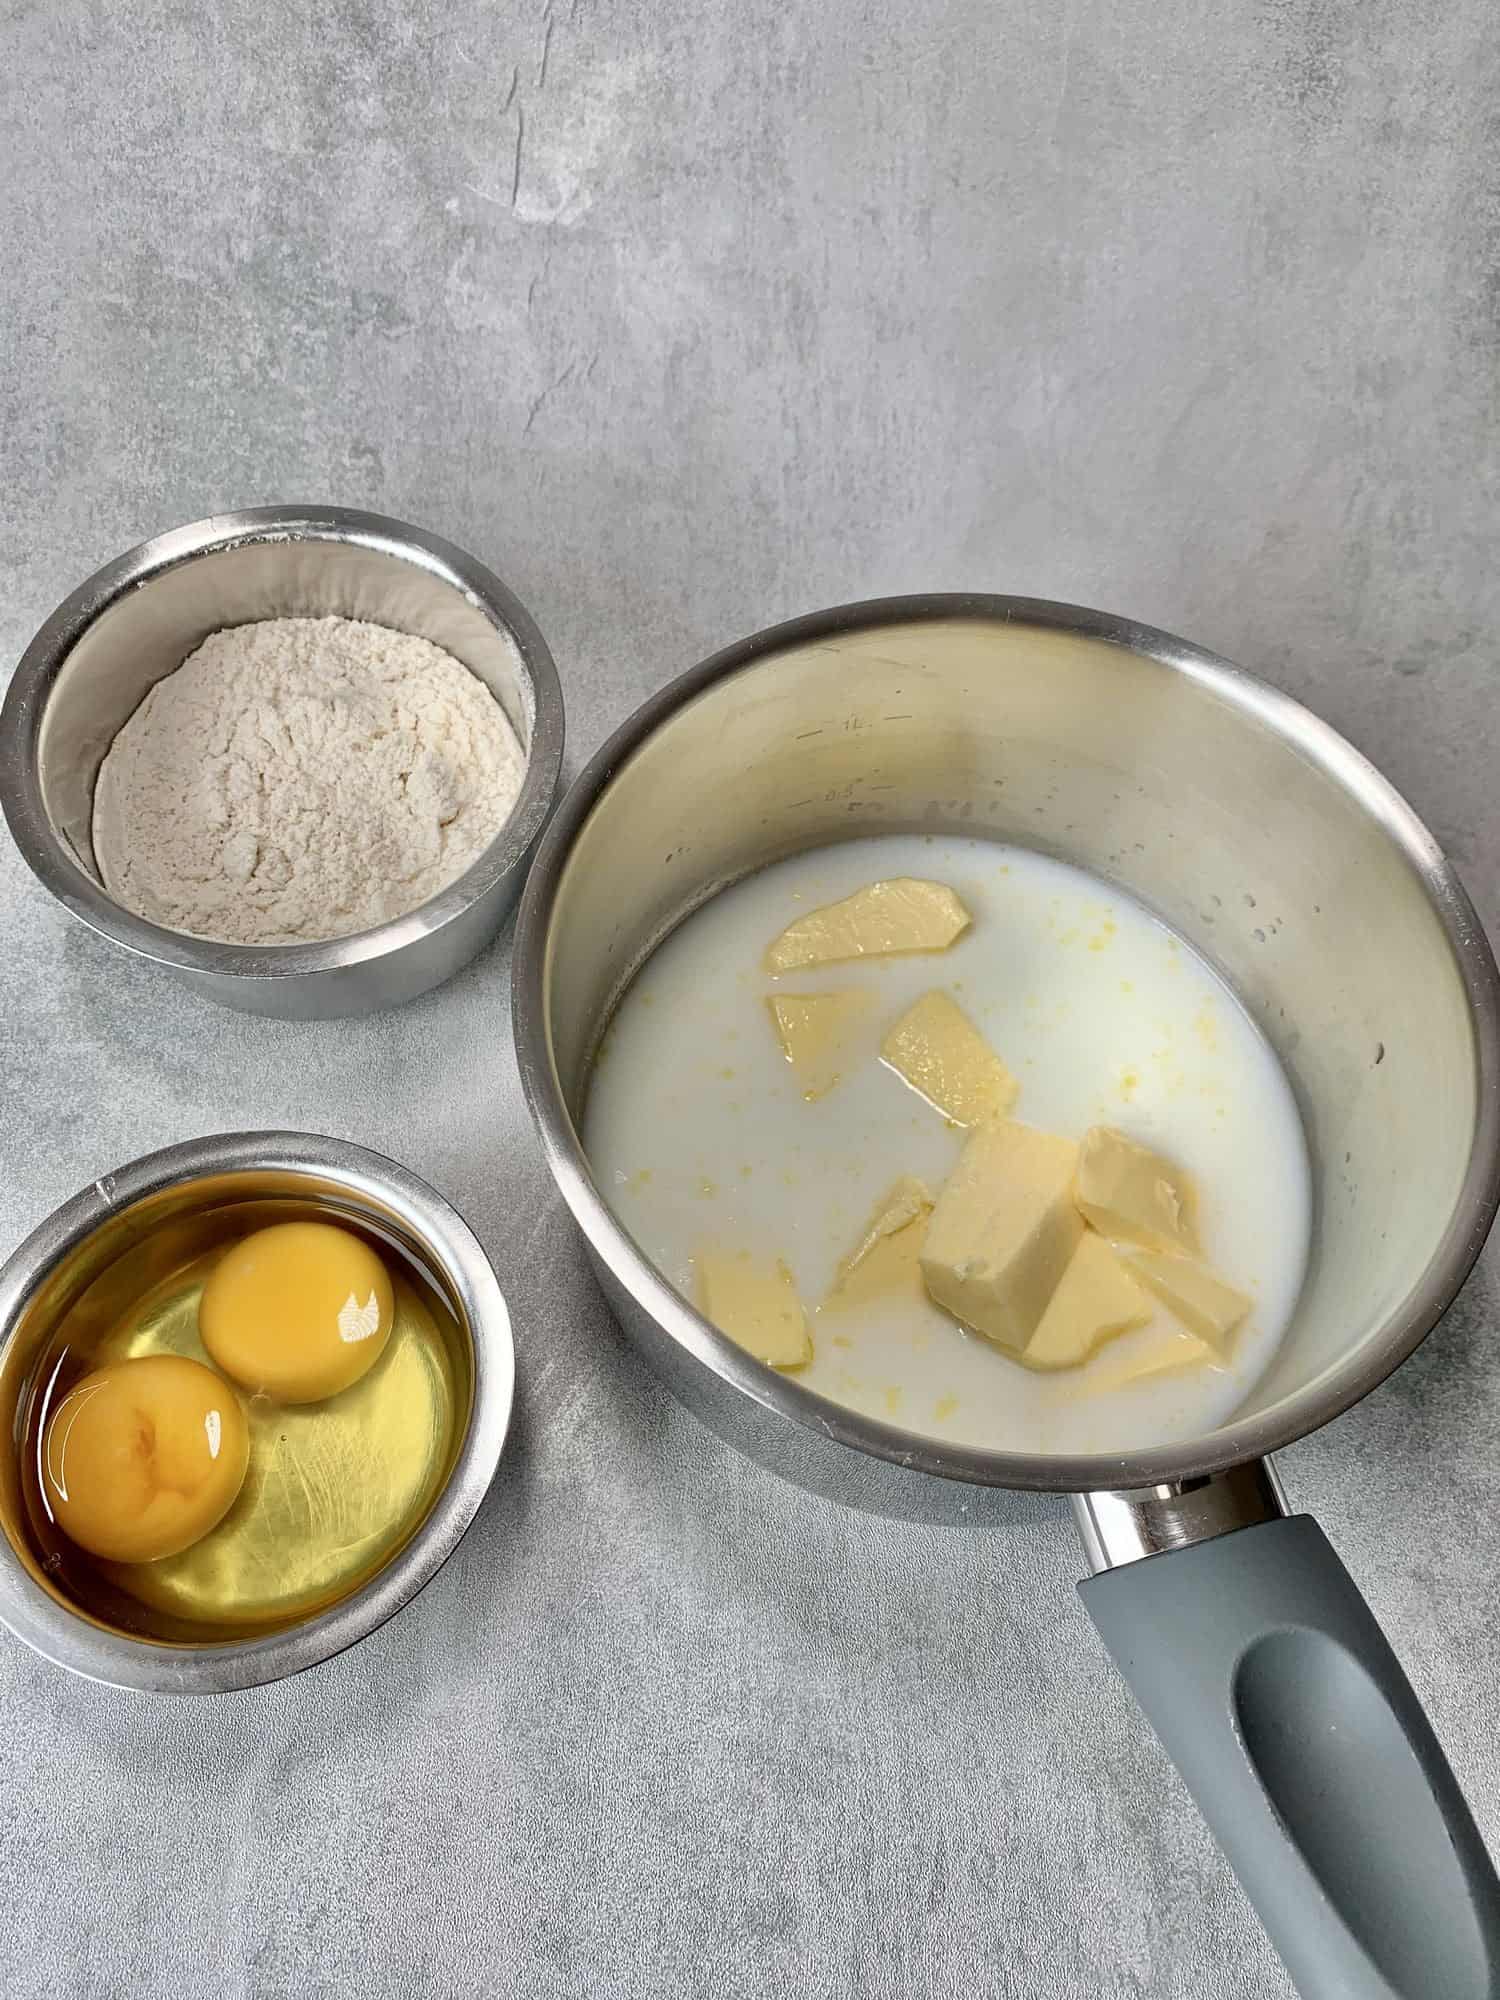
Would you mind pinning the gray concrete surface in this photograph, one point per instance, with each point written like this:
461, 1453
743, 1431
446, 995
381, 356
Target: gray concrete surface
688, 318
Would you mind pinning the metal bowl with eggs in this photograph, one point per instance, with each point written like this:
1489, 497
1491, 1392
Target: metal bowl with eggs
129, 1236
134, 622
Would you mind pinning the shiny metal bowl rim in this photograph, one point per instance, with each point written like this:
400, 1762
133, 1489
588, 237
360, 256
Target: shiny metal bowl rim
1241, 1439
24, 706
72, 1641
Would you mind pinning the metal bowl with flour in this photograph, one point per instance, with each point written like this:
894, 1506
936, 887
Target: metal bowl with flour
1272, 846
134, 622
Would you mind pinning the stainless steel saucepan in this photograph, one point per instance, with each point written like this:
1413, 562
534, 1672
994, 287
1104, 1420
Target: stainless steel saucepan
1269, 843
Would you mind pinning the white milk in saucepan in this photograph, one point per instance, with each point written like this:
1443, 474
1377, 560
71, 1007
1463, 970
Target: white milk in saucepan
701, 1139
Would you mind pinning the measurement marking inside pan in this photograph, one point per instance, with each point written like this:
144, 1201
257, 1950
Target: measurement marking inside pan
803, 736
895, 718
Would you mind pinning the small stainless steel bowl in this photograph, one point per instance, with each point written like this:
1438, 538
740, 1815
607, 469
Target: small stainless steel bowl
135, 621
77, 1244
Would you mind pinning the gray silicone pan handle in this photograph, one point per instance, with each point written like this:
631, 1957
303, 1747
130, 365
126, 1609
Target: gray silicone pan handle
1277, 1697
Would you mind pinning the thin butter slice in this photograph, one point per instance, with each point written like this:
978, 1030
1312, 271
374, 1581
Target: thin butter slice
757, 1307
885, 918
1132, 1194
887, 1257
1204, 1303
903, 1202
943, 1056
814, 1031
1003, 1231
1165, 1350
1095, 1301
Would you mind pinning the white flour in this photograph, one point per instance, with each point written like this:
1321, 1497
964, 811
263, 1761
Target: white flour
302, 778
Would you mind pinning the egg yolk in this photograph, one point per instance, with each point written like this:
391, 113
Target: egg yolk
143, 1457
300, 1310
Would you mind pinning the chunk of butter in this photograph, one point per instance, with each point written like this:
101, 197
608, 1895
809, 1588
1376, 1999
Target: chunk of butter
1096, 1299
1204, 1303
1129, 1192
887, 1257
941, 1054
883, 918
757, 1307
814, 1030
1164, 1350
1003, 1230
